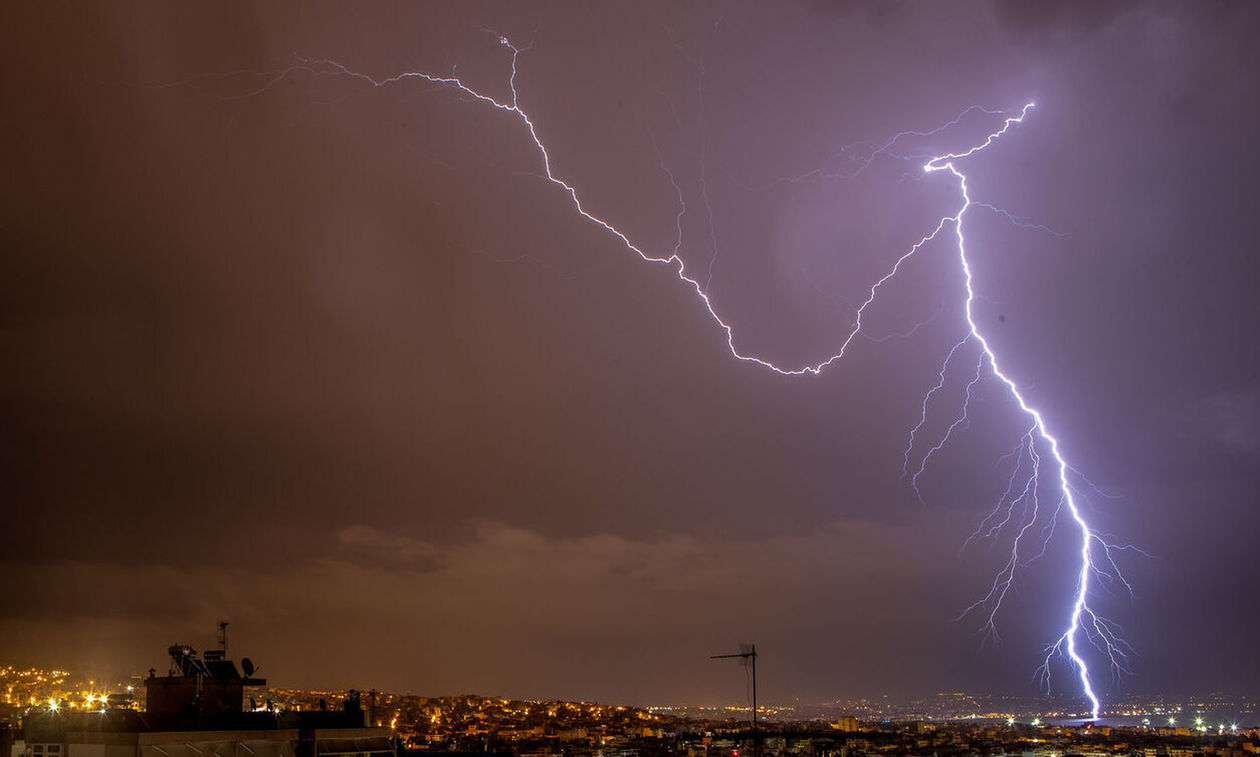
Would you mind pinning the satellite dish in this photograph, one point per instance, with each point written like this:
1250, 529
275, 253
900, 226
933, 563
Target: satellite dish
247, 665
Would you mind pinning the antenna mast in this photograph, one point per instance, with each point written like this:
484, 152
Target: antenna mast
749, 656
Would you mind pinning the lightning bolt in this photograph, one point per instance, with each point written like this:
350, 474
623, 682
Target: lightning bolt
1096, 555
1020, 508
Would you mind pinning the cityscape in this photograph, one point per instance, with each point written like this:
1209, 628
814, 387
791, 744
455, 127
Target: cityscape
386, 722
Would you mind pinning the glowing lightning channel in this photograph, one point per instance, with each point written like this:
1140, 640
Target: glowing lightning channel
329, 67
1082, 621
1095, 554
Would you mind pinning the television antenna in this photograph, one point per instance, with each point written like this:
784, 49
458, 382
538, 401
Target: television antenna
748, 655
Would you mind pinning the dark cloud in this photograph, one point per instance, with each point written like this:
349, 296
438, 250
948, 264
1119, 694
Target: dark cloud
1030, 18
511, 596
1228, 422
320, 357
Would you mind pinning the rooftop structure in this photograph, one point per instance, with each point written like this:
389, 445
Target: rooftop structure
199, 710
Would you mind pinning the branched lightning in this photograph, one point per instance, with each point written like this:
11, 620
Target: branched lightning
1039, 486
1096, 556
673, 258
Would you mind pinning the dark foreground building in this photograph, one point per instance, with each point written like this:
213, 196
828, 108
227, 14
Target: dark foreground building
198, 710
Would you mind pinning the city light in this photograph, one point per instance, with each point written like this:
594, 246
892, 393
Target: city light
953, 719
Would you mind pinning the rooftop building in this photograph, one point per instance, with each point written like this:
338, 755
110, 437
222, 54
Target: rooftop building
199, 710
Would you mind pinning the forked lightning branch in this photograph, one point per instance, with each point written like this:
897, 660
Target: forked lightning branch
1042, 491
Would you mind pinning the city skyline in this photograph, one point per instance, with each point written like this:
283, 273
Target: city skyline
336, 361
43, 689
202, 703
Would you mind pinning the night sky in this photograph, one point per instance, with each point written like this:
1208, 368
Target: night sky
336, 364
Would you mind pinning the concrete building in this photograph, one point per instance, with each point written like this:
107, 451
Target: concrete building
198, 710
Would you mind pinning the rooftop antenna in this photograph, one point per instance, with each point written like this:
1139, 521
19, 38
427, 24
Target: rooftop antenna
223, 624
748, 656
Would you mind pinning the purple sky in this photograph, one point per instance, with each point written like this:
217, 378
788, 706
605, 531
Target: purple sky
335, 364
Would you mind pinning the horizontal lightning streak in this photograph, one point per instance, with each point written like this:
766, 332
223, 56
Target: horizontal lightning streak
320, 66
